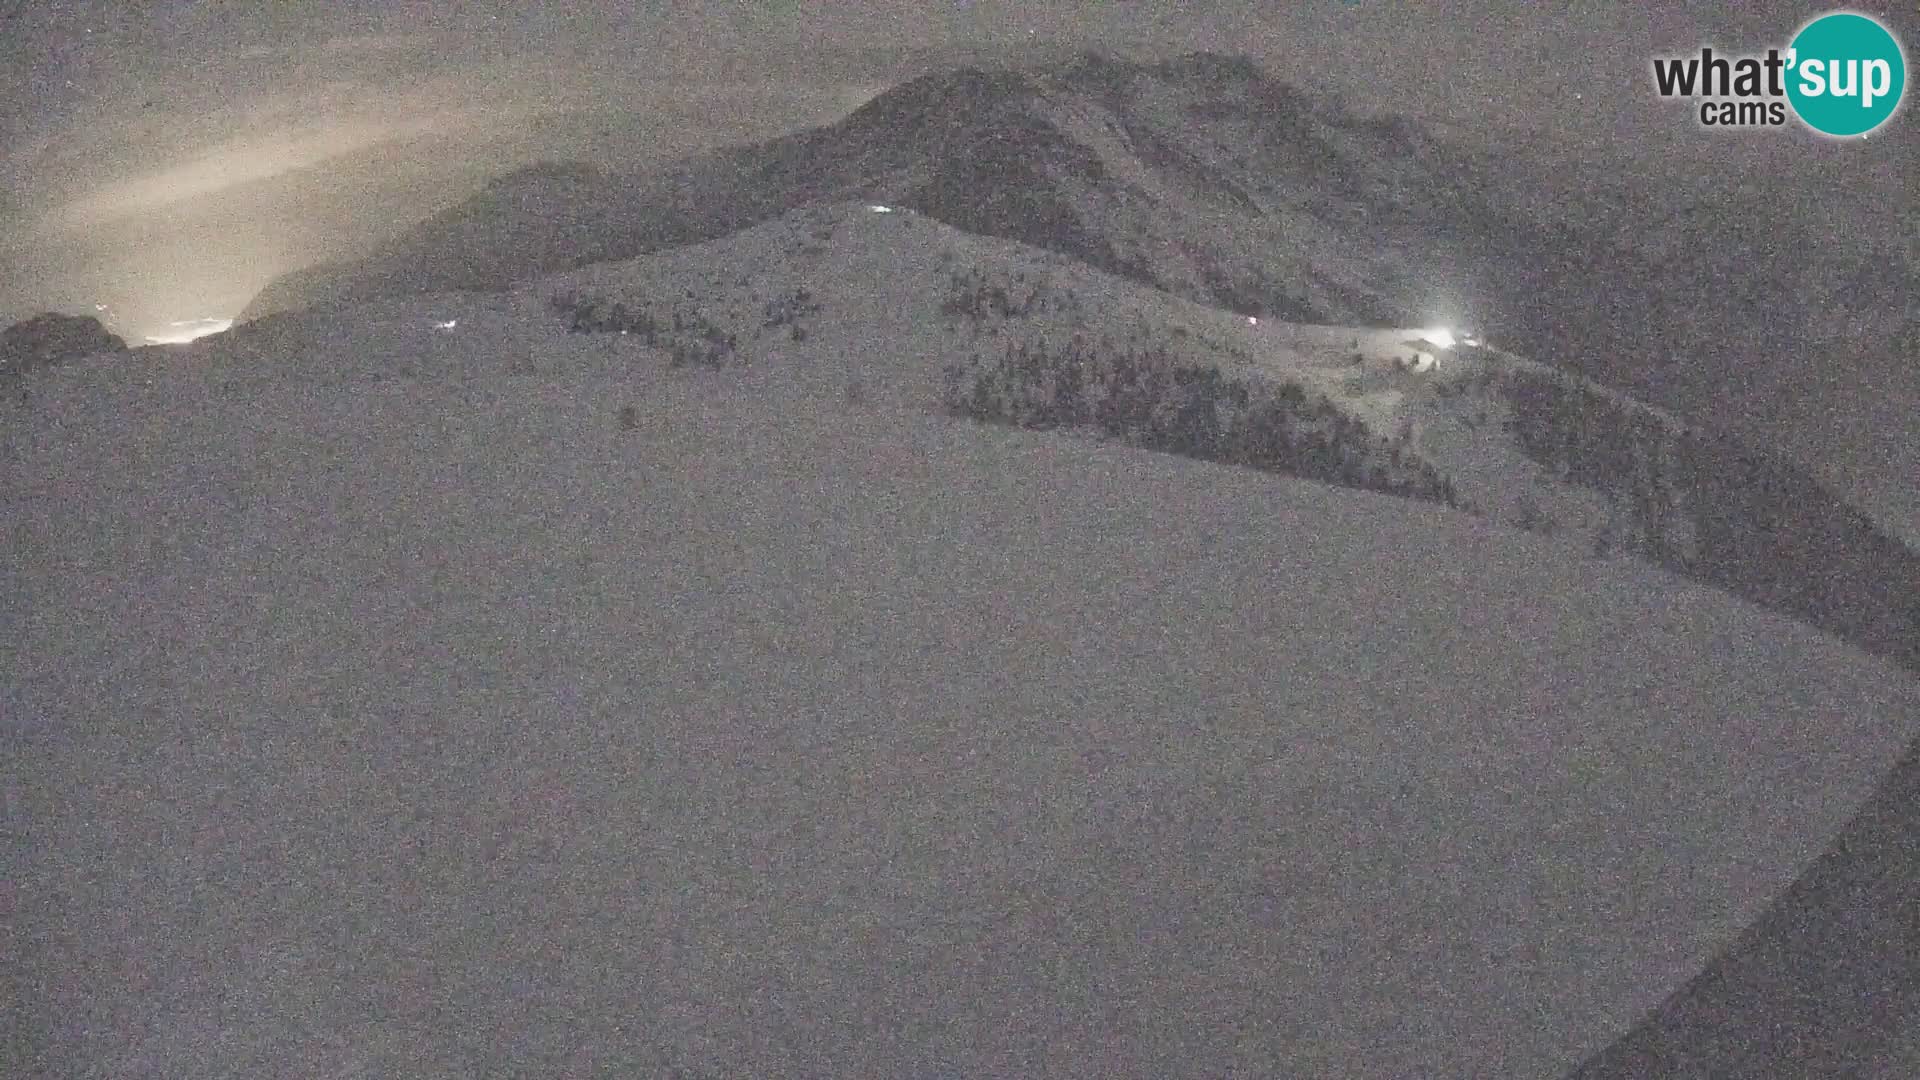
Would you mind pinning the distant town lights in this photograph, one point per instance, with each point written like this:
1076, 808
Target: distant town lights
181, 331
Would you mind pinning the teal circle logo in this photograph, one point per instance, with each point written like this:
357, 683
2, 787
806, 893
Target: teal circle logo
1846, 74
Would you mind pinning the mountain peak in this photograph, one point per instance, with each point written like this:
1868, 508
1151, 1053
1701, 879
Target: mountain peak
972, 92
1100, 72
1219, 68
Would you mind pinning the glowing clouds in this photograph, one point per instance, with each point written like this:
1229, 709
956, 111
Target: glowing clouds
239, 161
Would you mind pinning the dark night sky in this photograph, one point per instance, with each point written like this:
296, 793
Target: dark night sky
171, 157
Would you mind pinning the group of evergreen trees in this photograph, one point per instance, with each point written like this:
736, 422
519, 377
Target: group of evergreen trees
1593, 439
1149, 399
688, 337
788, 310
975, 297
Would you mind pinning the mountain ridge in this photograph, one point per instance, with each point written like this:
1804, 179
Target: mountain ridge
1206, 177
972, 147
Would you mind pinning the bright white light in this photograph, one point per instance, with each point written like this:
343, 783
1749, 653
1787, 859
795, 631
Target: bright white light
448, 325
1440, 336
182, 331
1251, 321
878, 209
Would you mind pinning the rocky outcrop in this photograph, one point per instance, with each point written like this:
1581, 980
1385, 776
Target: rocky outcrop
50, 339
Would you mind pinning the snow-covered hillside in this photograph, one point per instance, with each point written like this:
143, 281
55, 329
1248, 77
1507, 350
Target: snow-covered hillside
550, 709
913, 309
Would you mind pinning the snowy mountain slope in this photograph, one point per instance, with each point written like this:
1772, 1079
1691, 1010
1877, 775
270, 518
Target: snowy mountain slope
915, 309
1206, 177
436, 726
